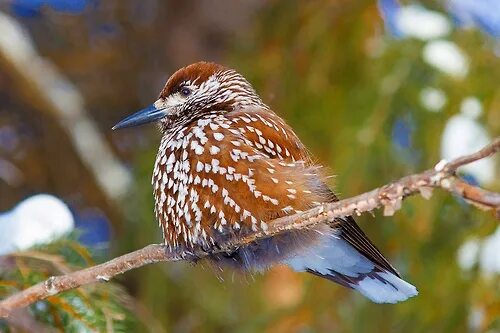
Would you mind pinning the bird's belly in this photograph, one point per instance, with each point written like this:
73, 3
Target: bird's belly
211, 185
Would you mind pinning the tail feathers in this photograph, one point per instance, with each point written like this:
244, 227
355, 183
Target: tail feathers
335, 259
379, 287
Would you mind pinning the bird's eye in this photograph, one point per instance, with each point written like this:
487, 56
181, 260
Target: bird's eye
185, 91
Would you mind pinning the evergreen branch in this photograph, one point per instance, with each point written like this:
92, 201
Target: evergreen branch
390, 196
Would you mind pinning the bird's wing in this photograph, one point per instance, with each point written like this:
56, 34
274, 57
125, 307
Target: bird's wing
236, 173
352, 233
244, 168
229, 174
271, 136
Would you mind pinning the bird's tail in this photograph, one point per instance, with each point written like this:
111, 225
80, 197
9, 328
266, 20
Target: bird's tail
335, 258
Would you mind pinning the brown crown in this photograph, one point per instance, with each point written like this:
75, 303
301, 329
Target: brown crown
197, 73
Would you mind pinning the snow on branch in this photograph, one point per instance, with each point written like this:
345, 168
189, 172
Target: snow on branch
390, 197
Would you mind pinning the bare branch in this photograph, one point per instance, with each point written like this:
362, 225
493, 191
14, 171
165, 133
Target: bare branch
489, 150
100, 273
388, 196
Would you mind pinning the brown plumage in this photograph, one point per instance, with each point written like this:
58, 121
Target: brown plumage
228, 165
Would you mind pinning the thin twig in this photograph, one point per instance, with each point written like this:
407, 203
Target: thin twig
489, 150
388, 196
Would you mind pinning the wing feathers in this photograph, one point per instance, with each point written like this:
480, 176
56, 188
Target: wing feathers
353, 234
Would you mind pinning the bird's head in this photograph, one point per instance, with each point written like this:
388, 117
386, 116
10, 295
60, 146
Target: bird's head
194, 90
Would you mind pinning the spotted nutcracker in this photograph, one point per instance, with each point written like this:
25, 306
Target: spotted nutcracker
228, 165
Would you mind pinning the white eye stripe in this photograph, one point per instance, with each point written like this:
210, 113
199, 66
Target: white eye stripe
221, 87
171, 101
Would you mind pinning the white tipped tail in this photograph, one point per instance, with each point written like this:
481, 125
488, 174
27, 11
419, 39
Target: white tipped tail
334, 258
386, 288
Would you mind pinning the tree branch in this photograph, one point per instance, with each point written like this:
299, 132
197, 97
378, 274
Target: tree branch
389, 196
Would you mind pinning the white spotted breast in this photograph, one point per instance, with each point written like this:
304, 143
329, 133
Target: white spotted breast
230, 174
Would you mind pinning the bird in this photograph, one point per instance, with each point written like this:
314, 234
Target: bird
227, 166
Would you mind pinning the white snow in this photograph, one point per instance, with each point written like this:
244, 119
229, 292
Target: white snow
447, 57
418, 22
39, 219
489, 258
471, 106
467, 254
433, 99
484, 252
463, 135
476, 319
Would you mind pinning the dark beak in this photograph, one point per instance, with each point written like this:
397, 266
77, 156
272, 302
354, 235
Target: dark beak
147, 115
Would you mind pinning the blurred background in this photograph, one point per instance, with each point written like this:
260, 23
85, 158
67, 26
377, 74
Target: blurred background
376, 89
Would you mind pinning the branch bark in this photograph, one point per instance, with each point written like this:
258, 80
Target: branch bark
390, 196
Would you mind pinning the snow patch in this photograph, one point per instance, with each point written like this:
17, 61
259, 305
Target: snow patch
447, 57
37, 220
